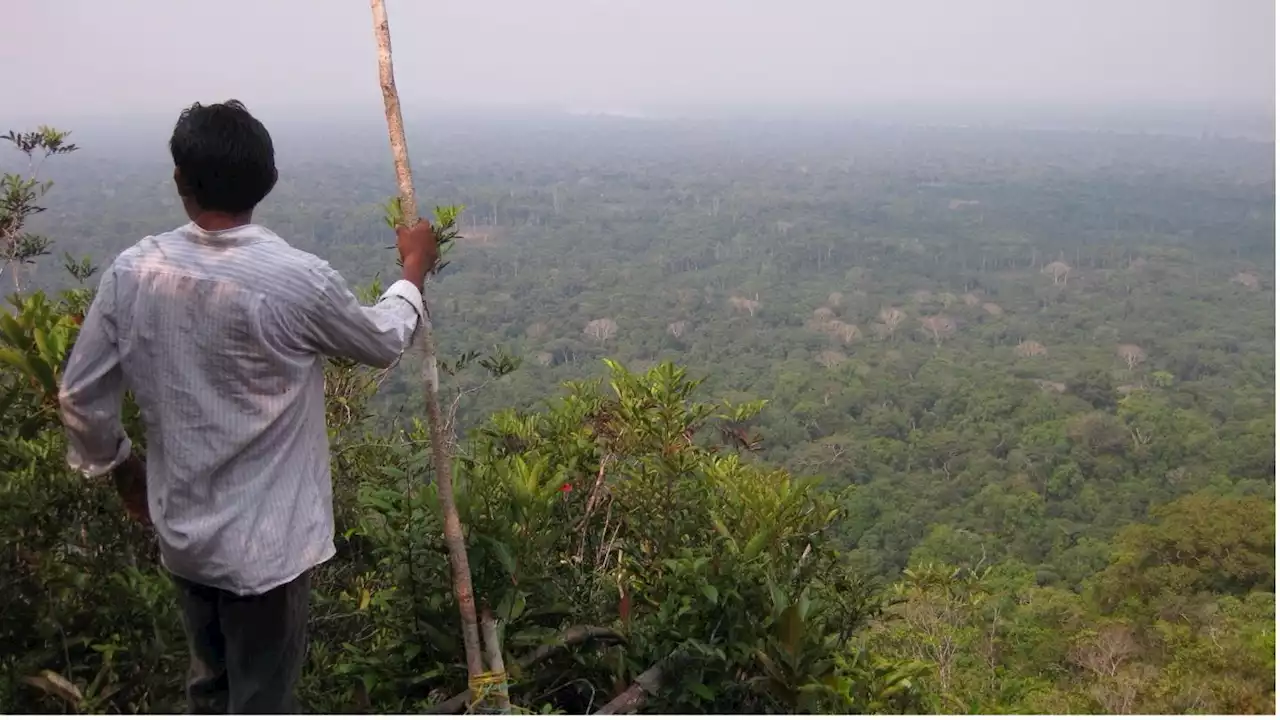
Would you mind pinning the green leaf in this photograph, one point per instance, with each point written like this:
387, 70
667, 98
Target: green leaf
11, 331
502, 554
560, 608
42, 372
15, 360
777, 596
724, 532
711, 593
393, 213
42, 343
702, 691
756, 544
770, 667
791, 629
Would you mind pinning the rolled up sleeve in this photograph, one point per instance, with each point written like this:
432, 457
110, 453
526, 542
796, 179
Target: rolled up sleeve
92, 391
337, 324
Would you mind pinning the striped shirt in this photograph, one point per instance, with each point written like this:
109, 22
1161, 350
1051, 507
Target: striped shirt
221, 337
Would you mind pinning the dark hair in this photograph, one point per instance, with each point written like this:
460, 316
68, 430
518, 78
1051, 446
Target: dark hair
224, 157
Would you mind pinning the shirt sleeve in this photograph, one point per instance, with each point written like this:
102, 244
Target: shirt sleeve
337, 325
93, 388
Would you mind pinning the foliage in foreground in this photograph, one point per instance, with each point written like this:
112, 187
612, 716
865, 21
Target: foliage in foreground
616, 518
614, 510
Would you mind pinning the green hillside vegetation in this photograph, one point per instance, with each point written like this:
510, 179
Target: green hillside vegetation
748, 418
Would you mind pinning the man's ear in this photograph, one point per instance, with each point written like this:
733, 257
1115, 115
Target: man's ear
178, 182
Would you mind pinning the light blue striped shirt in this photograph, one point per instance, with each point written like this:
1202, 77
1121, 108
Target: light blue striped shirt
221, 337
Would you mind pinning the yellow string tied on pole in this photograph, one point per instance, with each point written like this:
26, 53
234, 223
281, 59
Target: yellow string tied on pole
487, 685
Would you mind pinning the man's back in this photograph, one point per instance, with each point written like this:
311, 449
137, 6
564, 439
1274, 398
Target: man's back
234, 415
221, 338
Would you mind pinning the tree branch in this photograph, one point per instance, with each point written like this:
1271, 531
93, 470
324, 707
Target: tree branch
635, 697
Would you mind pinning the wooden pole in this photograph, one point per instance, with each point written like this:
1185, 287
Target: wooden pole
431, 375
497, 666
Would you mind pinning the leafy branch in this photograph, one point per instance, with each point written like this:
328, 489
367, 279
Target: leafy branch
20, 196
445, 226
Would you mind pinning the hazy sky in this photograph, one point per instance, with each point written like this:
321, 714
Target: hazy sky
122, 57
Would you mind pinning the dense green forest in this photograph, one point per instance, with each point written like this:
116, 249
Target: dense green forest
889, 419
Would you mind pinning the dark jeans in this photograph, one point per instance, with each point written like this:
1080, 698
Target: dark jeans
246, 651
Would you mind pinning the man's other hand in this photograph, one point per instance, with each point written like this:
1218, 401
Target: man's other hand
419, 250
131, 483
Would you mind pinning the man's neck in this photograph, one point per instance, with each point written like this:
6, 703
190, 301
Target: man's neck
215, 221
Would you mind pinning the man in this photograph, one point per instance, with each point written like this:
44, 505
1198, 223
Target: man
220, 328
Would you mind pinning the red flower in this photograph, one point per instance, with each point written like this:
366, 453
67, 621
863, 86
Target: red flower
566, 488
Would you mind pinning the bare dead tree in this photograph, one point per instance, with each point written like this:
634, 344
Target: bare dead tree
1105, 654
462, 588
1058, 270
824, 320
1247, 279
1051, 386
938, 327
745, 304
891, 318
1132, 355
1030, 348
845, 331
601, 329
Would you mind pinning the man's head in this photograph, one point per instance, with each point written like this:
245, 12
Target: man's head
223, 159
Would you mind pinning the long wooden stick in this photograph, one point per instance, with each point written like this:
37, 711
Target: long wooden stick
431, 375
